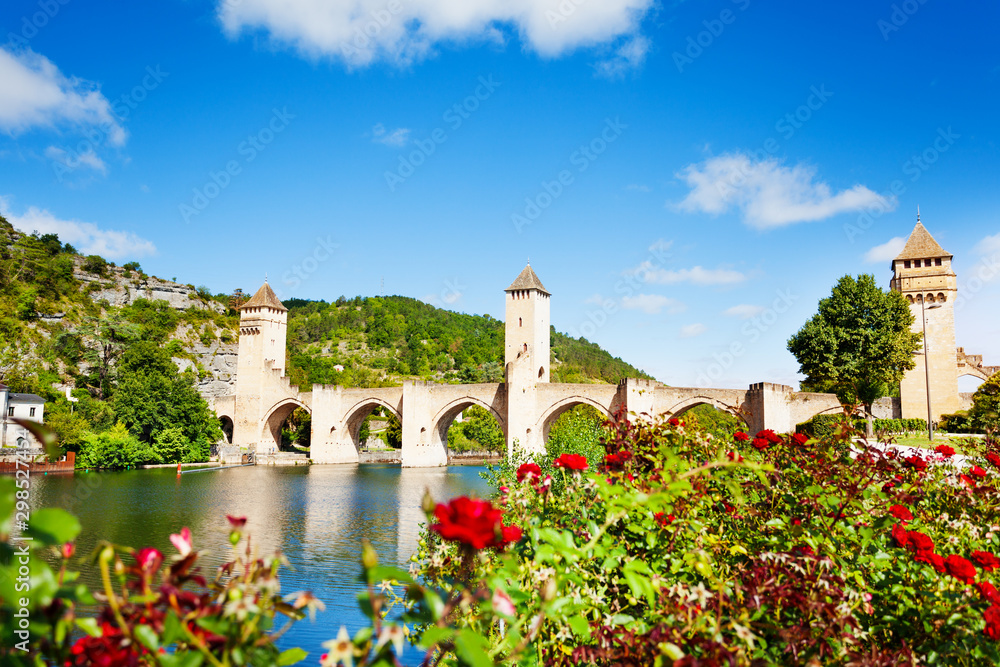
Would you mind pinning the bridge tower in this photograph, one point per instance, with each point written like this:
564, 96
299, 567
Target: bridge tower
923, 274
263, 329
527, 327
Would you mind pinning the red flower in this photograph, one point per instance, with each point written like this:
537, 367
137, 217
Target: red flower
734, 457
475, 523
111, 648
149, 558
236, 522
68, 550
900, 535
901, 513
930, 558
760, 444
976, 471
960, 568
994, 459
740, 436
919, 542
916, 463
992, 618
664, 519
803, 550
674, 422
945, 450
510, 535
987, 561
770, 436
571, 462
800, 439
988, 591
528, 471
968, 481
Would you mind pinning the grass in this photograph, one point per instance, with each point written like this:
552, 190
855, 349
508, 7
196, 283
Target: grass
923, 442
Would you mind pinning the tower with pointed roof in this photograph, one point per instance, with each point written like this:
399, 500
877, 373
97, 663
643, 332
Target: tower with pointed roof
923, 274
527, 326
263, 329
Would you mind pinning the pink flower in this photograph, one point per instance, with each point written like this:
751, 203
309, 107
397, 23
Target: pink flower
68, 550
149, 558
502, 604
237, 522
182, 542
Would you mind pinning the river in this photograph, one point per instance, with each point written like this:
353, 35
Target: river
316, 515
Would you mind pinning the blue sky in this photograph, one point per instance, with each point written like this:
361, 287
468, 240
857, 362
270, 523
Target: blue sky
682, 176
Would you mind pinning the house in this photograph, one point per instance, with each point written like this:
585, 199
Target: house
19, 406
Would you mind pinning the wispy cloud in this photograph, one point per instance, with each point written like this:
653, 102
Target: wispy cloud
697, 275
627, 58
652, 304
692, 330
87, 237
396, 138
886, 252
362, 32
767, 193
37, 94
88, 159
744, 311
989, 245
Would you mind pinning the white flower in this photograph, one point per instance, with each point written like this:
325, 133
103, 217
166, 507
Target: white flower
341, 650
394, 634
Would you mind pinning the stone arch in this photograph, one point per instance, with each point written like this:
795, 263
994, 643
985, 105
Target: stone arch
270, 436
554, 411
446, 415
695, 401
227, 426
356, 415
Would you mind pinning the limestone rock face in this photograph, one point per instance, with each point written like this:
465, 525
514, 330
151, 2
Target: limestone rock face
119, 289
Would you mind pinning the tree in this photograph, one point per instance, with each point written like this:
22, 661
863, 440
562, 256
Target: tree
859, 343
109, 337
114, 449
985, 412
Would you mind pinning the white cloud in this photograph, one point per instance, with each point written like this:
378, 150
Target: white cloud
886, 252
361, 32
87, 237
71, 162
692, 330
744, 311
397, 138
767, 193
988, 245
652, 303
628, 57
37, 94
648, 273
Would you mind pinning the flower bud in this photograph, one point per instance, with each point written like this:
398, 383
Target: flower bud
369, 558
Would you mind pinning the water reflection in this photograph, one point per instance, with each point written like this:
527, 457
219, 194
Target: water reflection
316, 515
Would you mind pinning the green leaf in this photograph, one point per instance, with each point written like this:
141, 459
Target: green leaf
171, 628
147, 637
89, 625
580, 627
473, 649
435, 635
53, 526
291, 656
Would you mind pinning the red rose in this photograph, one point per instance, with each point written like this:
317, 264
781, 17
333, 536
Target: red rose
740, 436
919, 542
149, 558
901, 513
571, 462
663, 519
960, 568
528, 471
988, 591
987, 561
674, 422
760, 444
900, 535
945, 450
733, 456
992, 618
472, 522
770, 436
994, 459
976, 471
510, 535
968, 481
800, 439
930, 558
916, 463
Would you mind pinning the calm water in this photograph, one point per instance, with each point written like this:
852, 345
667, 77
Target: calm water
316, 515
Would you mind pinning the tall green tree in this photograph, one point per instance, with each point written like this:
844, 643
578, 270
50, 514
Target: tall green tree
109, 337
985, 412
859, 344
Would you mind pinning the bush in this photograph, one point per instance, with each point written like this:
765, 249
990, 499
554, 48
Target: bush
115, 449
170, 445
95, 264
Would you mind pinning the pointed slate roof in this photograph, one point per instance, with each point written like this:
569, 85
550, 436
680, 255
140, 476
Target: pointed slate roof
527, 280
265, 297
922, 245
